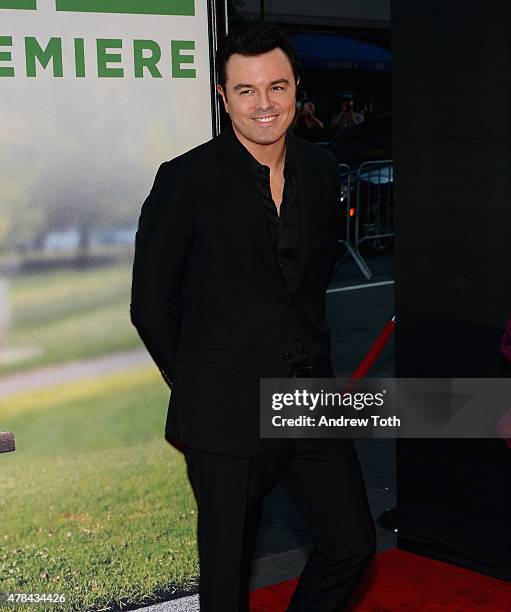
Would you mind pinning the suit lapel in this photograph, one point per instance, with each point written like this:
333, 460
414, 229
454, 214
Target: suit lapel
254, 216
243, 186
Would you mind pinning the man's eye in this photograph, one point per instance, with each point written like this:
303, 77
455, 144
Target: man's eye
278, 87
245, 91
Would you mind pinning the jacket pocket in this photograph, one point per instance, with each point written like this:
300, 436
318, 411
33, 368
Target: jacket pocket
211, 357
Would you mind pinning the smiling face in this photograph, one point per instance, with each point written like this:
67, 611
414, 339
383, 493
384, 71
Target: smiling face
260, 95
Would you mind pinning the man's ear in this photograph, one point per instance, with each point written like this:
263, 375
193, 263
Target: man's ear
222, 93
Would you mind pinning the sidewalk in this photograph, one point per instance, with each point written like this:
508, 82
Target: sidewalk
71, 371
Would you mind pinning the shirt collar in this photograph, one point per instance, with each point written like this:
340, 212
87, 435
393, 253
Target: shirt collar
254, 165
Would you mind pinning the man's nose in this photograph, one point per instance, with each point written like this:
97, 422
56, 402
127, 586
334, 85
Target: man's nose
264, 101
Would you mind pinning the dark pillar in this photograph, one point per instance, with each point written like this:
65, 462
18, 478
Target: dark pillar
452, 151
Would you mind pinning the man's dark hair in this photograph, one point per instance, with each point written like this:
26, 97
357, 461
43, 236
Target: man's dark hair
254, 38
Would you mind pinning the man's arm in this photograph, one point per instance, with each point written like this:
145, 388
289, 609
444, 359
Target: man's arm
162, 242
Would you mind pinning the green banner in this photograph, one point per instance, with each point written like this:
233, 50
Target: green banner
29, 5
138, 7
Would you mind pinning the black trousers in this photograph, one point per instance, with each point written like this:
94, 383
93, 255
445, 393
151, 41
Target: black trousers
324, 480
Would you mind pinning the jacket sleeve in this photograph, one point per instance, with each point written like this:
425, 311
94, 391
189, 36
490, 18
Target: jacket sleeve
162, 243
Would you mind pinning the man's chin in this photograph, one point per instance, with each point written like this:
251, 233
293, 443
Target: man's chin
260, 135
266, 138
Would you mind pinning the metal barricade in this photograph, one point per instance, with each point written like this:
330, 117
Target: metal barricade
349, 210
367, 202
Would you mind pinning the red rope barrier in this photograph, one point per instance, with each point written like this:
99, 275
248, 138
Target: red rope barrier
375, 350
504, 427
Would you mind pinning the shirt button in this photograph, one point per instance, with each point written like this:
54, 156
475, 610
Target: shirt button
287, 356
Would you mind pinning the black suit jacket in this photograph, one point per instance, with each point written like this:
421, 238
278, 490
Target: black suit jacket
208, 297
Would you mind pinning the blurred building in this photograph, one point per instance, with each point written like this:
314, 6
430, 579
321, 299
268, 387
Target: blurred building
359, 14
344, 48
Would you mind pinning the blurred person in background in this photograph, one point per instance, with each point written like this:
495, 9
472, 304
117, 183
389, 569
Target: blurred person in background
347, 117
308, 126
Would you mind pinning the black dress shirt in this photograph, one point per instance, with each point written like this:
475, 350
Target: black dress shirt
284, 232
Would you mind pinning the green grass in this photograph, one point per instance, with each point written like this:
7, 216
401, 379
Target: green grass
94, 502
71, 314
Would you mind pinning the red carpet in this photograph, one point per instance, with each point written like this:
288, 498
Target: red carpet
399, 580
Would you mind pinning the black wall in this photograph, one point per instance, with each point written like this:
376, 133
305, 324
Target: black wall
452, 150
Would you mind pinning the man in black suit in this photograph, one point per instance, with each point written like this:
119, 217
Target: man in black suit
234, 251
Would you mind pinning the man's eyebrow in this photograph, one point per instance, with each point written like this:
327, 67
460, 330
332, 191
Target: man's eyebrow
243, 85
